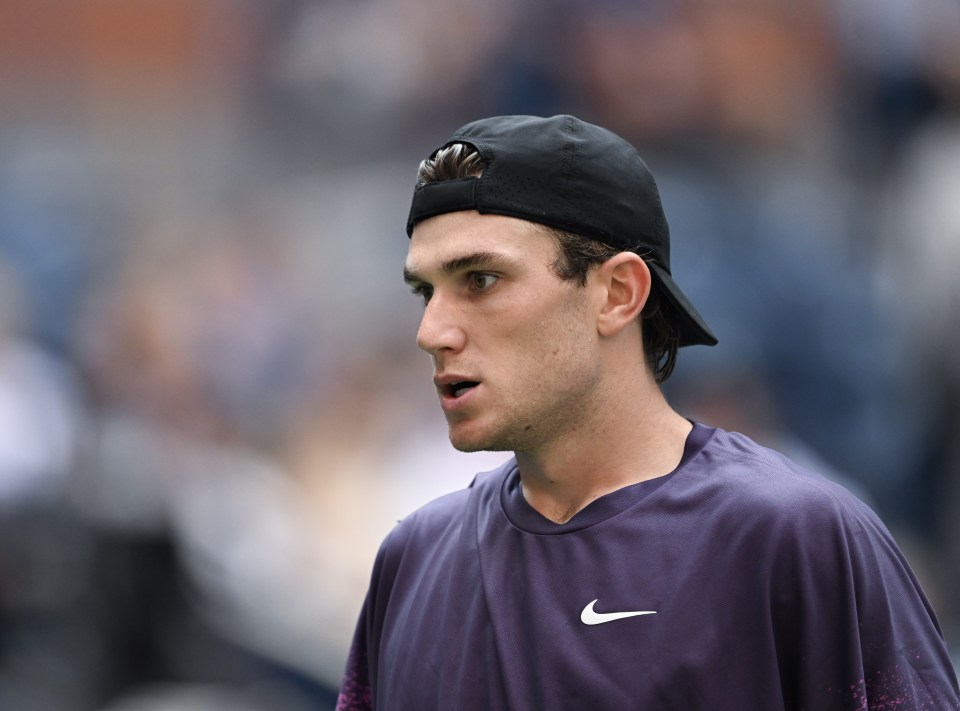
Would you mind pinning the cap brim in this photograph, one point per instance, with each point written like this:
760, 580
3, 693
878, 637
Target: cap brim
693, 329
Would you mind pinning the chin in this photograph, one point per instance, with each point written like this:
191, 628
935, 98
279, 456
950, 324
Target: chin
471, 446
477, 442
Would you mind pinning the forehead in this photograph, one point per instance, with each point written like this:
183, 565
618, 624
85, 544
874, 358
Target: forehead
446, 237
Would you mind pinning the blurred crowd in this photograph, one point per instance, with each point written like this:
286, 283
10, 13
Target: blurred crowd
211, 403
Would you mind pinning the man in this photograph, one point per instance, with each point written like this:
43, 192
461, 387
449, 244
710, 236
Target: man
625, 558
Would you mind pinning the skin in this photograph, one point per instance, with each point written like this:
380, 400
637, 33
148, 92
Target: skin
562, 378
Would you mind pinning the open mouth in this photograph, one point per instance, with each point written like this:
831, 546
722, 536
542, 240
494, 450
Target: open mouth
459, 388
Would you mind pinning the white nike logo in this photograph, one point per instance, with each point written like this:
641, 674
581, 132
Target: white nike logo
590, 617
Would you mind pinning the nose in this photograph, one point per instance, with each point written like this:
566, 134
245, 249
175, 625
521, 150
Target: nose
441, 327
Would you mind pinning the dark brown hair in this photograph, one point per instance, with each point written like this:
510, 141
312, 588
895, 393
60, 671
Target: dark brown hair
578, 255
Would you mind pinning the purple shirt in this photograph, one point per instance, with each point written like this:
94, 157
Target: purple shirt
762, 586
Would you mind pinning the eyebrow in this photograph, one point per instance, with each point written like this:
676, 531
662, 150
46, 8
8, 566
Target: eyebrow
475, 260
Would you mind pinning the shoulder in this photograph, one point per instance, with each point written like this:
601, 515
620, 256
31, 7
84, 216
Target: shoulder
427, 523
442, 517
734, 463
783, 522
753, 483
428, 539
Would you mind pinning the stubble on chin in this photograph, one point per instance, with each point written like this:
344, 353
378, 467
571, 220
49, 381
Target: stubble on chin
468, 445
479, 441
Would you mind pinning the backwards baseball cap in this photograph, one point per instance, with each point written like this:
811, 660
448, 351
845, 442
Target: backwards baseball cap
571, 175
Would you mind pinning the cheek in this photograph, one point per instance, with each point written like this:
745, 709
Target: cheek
563, 343
544, 334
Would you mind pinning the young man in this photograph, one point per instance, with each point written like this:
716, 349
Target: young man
626, 558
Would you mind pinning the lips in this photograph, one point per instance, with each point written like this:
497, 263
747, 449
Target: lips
453, 388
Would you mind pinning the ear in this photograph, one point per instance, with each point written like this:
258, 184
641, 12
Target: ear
625, 280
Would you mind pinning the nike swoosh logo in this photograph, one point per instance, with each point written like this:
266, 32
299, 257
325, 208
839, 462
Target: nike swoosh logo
591, 617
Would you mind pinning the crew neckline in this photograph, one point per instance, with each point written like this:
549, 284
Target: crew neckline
522, 515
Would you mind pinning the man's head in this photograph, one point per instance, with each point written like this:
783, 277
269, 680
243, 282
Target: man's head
541, 252
583, 184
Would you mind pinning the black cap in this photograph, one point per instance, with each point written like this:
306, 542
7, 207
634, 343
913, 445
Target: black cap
571, 175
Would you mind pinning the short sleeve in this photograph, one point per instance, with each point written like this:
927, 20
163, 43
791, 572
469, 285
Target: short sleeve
854, 628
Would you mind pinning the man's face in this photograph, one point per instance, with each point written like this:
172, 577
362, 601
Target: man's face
515, 348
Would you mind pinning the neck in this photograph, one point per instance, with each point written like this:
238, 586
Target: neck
633, 437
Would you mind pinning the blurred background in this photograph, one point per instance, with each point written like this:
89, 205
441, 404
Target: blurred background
211, 403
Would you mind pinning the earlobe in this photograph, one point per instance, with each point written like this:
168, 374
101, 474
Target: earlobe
626, 281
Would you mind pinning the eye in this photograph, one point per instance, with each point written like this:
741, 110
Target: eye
481, 281
424, 291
